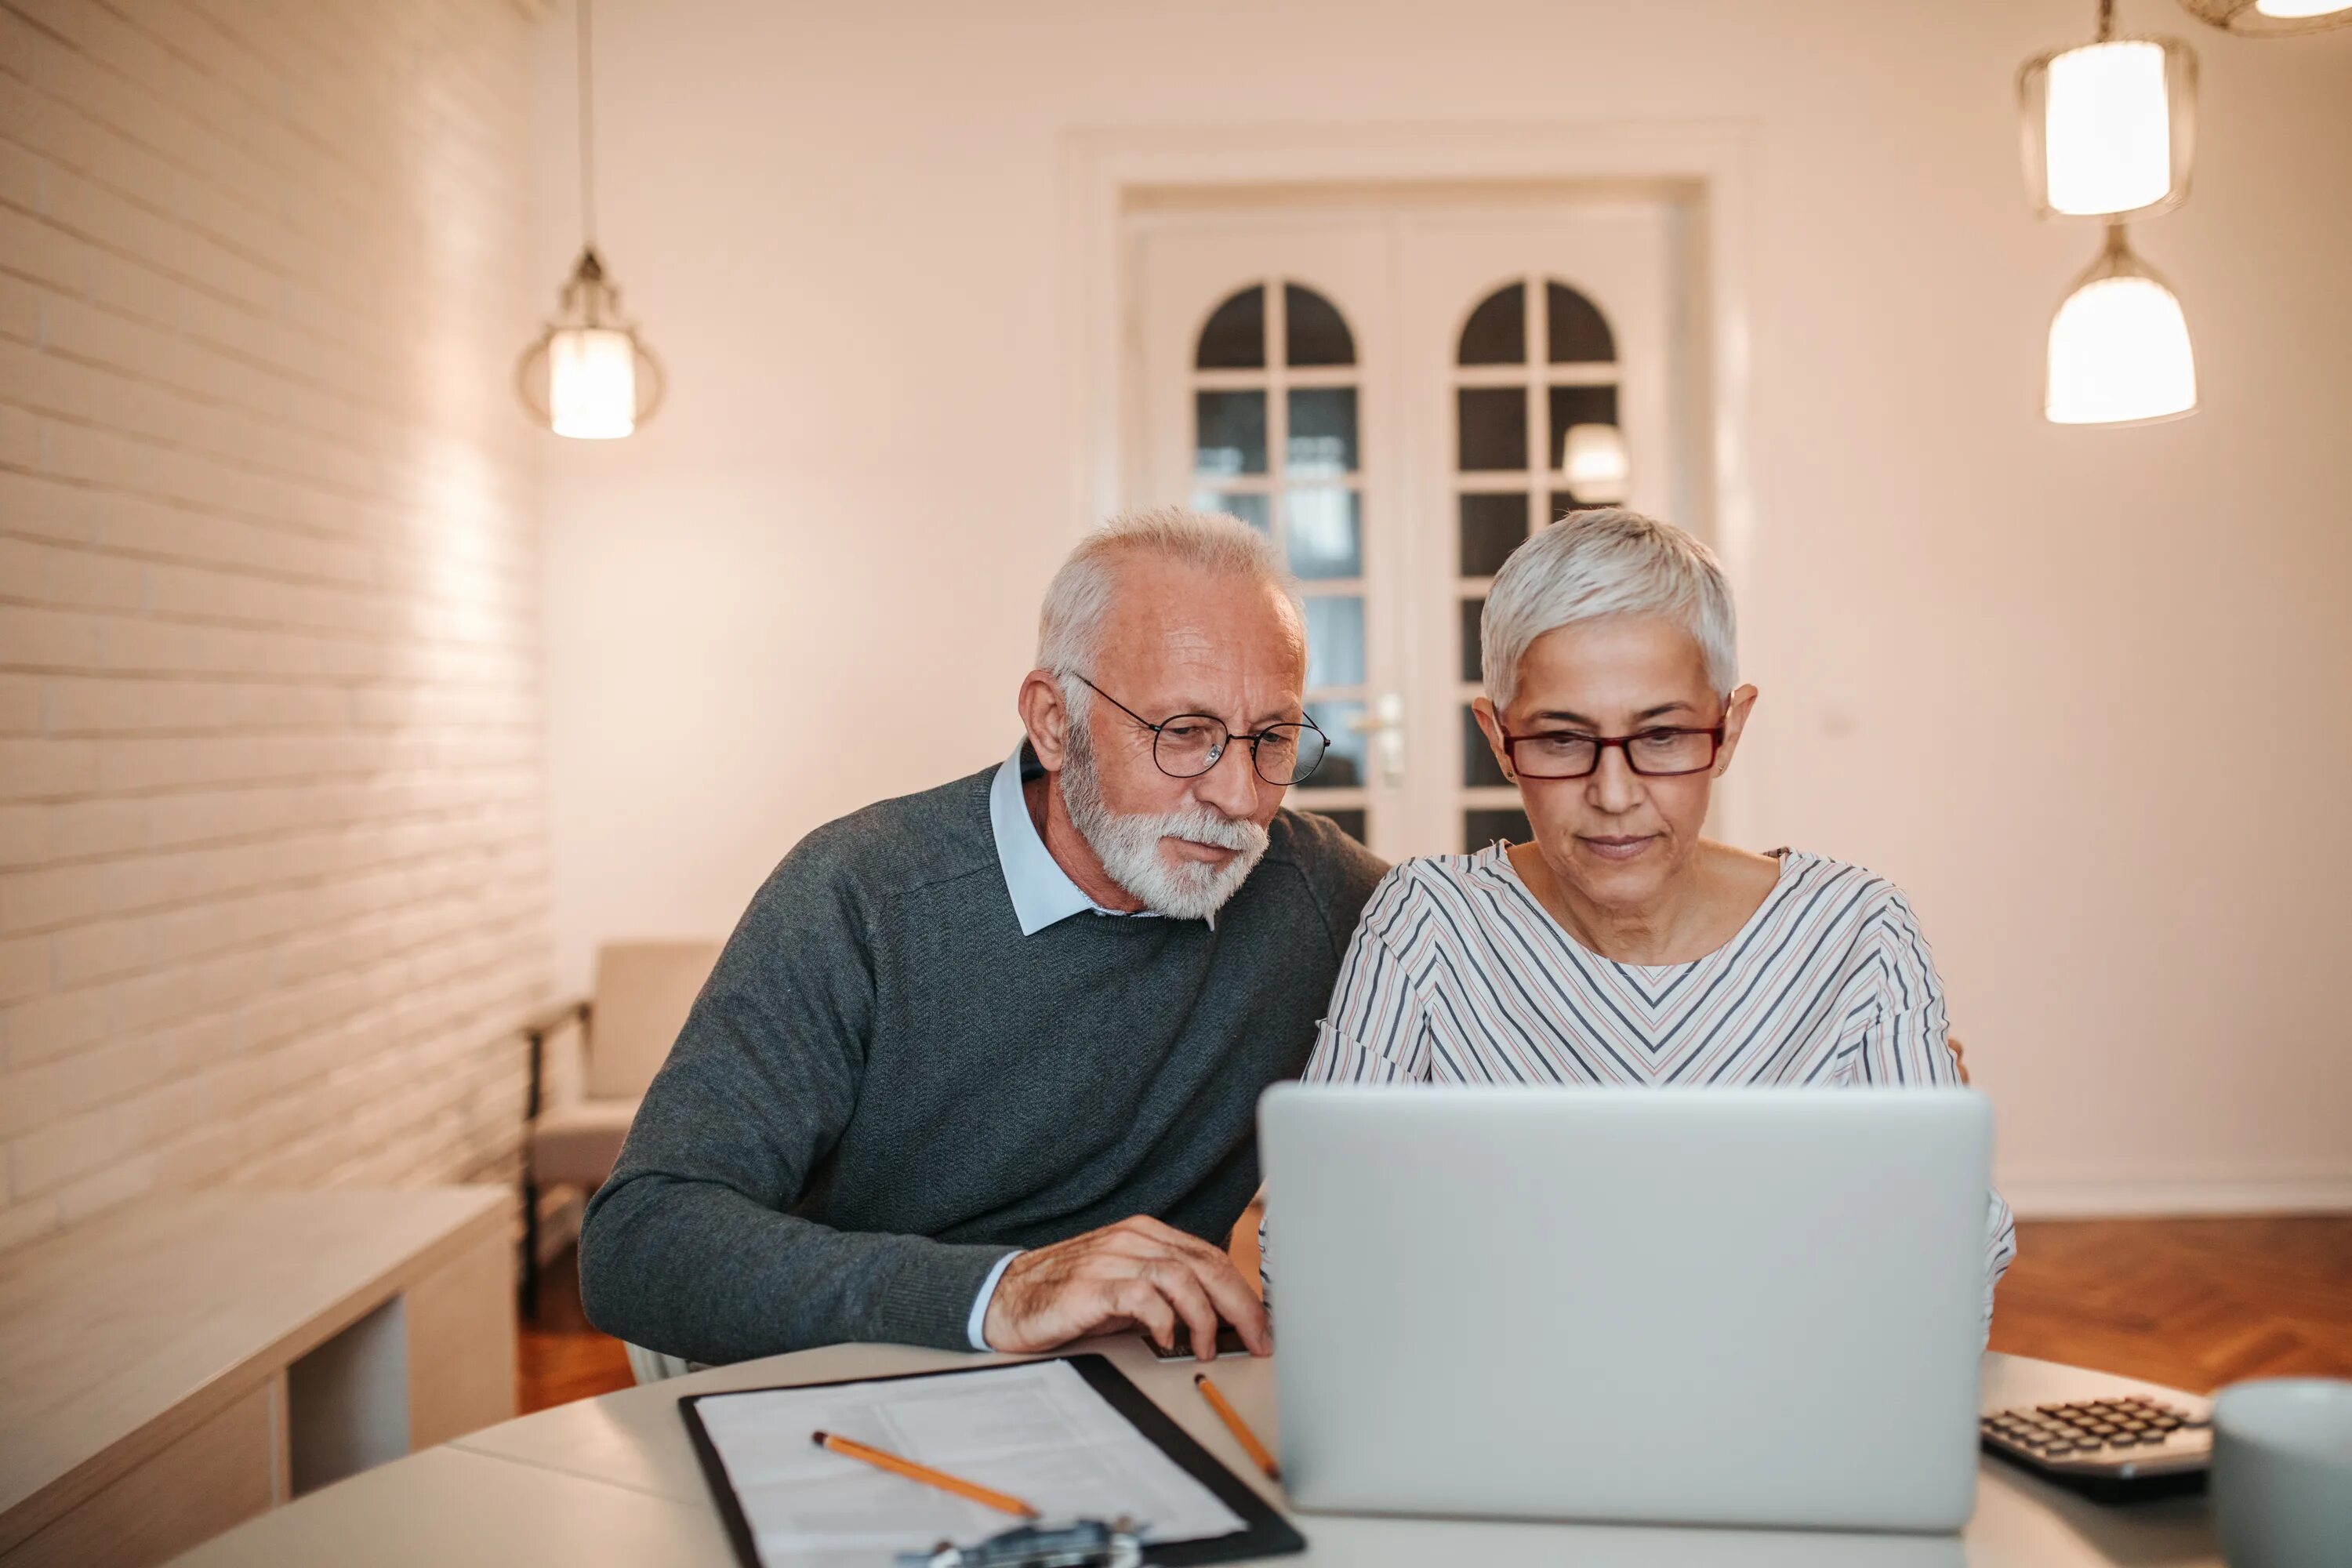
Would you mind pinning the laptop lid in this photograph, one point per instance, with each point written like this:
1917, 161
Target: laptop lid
1738, 1306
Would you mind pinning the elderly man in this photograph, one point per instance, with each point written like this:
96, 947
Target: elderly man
978, 1069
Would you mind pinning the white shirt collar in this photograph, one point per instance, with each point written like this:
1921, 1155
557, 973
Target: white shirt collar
1043, 893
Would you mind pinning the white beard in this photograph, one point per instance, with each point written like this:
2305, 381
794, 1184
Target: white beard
1128, 845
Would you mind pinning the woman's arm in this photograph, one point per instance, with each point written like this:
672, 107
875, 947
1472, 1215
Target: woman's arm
1375, 1032
1911, 1043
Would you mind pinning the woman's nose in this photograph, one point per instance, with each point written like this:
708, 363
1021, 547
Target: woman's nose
1615, 788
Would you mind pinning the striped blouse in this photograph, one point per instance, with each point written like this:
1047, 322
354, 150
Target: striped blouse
1458, 975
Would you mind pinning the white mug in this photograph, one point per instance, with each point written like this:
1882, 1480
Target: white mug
2282, 1472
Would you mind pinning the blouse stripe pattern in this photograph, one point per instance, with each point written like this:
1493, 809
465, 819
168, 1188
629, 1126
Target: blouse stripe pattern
1458, 975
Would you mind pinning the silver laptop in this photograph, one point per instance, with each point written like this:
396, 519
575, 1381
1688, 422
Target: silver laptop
1742, 1306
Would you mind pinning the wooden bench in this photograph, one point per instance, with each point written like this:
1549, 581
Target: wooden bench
179, 1365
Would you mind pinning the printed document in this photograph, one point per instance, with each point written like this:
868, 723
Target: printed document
1038, 1431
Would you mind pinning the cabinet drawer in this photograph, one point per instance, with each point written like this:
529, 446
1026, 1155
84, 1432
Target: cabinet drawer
219, 1475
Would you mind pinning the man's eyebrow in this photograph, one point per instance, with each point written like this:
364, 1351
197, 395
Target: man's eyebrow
1286, 715
1660, 710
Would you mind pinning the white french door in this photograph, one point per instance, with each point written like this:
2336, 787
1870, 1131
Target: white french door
1387, 389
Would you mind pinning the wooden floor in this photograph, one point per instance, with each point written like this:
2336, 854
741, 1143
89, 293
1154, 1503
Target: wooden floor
2194, 1303
559, 1357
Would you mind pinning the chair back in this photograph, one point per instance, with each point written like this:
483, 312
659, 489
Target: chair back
644, 991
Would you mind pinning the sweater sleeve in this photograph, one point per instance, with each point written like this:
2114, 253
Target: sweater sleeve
1911, 1043
691, 1248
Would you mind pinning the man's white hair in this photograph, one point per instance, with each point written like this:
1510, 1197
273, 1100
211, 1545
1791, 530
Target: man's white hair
1078, 602
1597, 565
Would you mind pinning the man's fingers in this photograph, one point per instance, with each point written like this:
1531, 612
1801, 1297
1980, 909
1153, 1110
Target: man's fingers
1139, 1299
1228, 1293
1164, 1281
1175, 1280
1235, 1302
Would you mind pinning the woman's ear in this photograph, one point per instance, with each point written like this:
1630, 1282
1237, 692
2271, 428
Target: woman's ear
1046, 716
1735, 723
1492, 724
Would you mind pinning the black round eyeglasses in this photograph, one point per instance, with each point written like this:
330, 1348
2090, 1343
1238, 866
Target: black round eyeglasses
1190, 744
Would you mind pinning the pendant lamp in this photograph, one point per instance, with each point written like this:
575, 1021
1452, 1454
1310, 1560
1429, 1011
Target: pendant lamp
2109, 127
2272, 18
589, 375
2119, 349
1594, 465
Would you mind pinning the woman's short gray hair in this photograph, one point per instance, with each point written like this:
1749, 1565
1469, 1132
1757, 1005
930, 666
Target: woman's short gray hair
1595, 565
1078, 601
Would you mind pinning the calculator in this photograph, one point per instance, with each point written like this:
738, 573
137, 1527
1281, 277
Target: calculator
1229, 1343
2116, 1450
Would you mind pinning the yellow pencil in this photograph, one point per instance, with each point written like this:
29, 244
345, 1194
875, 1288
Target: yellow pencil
1239, 1428
923, 1473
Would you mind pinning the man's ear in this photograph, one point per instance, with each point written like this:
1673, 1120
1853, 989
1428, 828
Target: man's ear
1046, 717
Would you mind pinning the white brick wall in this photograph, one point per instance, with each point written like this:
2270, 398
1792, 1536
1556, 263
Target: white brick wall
272, 858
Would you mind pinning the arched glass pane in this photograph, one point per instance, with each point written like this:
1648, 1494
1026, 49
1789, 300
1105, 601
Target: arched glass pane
1314, 332
1492, 527
1344, 765
1564, 502
1334, 642
1322, 432
1482, 828
1497, 329
1234, 338
1325, 530
1229, 433
1579, 334
1577, 405
1257, 511
1479, 768
1349, 818
1492, 428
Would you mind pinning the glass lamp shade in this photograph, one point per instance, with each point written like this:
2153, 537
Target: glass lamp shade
2119, 350
588, 376
2272, 18
591, 383
1593, 463
2109, 128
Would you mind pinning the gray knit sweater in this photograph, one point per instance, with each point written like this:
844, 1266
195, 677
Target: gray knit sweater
884, 1086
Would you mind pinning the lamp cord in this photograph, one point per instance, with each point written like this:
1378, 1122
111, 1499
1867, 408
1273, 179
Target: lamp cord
587, 141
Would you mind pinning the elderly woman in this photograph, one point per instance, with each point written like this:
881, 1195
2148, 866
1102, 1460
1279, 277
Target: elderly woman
1621, 947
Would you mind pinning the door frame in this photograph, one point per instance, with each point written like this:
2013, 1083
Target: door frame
1707, 164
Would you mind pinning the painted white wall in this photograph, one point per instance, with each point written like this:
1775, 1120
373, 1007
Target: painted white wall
2037, 676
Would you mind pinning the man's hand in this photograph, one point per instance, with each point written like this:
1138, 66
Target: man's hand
1137, 1272
1959, 1060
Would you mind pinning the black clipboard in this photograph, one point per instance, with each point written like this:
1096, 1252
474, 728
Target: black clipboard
1264, 1533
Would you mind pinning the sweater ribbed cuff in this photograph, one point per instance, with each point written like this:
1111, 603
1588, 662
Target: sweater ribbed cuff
928, 1301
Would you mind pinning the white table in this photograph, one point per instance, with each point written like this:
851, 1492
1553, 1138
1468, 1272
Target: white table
613, 1481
